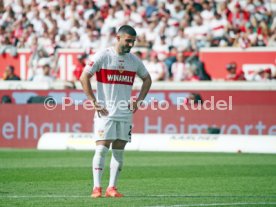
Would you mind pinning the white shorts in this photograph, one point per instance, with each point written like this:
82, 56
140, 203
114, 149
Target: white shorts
106, 129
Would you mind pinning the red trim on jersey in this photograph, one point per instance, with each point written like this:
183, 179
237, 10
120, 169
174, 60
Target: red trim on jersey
112, 76
218, 27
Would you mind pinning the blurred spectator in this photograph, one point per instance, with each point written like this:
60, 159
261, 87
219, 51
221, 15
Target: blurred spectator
233, 74
163, 10
242, 40
218, 26
161, 48
238, 17
179, 68
181, 42
199, 33
171, 58
272, 40
63, 23
151, 8
36, 21
79, 67
142, 42
203, 22
262, 75
207, 13
91, 41
111, 21
62, 41
186, 25
30, 35
151, 33
194, 98
9, 74
74, 40
156, 68
177, 12
142, 56
191, 74
6, 45
40, 56
197, 67
6, 99
45, 77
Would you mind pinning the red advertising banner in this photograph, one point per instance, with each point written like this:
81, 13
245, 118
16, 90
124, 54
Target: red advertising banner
234, 112
216, 59
260, 97
19, 62
22, 125
67, 61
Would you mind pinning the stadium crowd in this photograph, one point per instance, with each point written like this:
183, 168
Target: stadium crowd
167, 30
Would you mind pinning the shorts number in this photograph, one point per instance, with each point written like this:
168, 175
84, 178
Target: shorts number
129, 133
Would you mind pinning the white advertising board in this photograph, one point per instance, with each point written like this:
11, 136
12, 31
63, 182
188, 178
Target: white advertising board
166, 142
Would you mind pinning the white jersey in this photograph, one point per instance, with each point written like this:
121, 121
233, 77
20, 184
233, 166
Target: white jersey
115, 76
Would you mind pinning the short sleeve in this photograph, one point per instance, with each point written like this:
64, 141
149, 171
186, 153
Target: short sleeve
141, 70
94, 63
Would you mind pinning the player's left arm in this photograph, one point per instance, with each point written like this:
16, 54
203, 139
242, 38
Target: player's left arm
143, 93
145, 87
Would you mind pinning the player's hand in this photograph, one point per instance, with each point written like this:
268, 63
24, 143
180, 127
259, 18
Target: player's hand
134, 106
101, 110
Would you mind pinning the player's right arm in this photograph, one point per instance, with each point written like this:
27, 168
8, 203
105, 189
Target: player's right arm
86, 85
89, 70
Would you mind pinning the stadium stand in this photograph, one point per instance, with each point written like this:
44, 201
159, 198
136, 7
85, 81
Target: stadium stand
46, 26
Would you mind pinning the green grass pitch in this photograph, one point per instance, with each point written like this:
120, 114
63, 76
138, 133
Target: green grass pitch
63, 178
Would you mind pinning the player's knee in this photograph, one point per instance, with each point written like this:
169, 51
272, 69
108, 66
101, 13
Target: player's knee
101, 150
119, 144
105, 143
102, 153
118, 156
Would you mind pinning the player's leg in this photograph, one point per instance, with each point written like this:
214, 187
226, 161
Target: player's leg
102, 131
116, 164
101, 150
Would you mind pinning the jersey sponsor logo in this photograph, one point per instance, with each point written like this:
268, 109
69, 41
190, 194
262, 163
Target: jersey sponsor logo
111, 76
123, 78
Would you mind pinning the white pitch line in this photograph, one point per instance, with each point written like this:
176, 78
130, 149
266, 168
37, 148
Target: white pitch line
131, 196
206, 196
43, 196
215, 204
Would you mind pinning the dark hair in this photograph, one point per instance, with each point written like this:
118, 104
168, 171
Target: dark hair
126, 29
6, 99
11, 68
197, 98
231, 65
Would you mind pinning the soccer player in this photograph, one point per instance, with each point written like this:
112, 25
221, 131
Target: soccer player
115, 70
